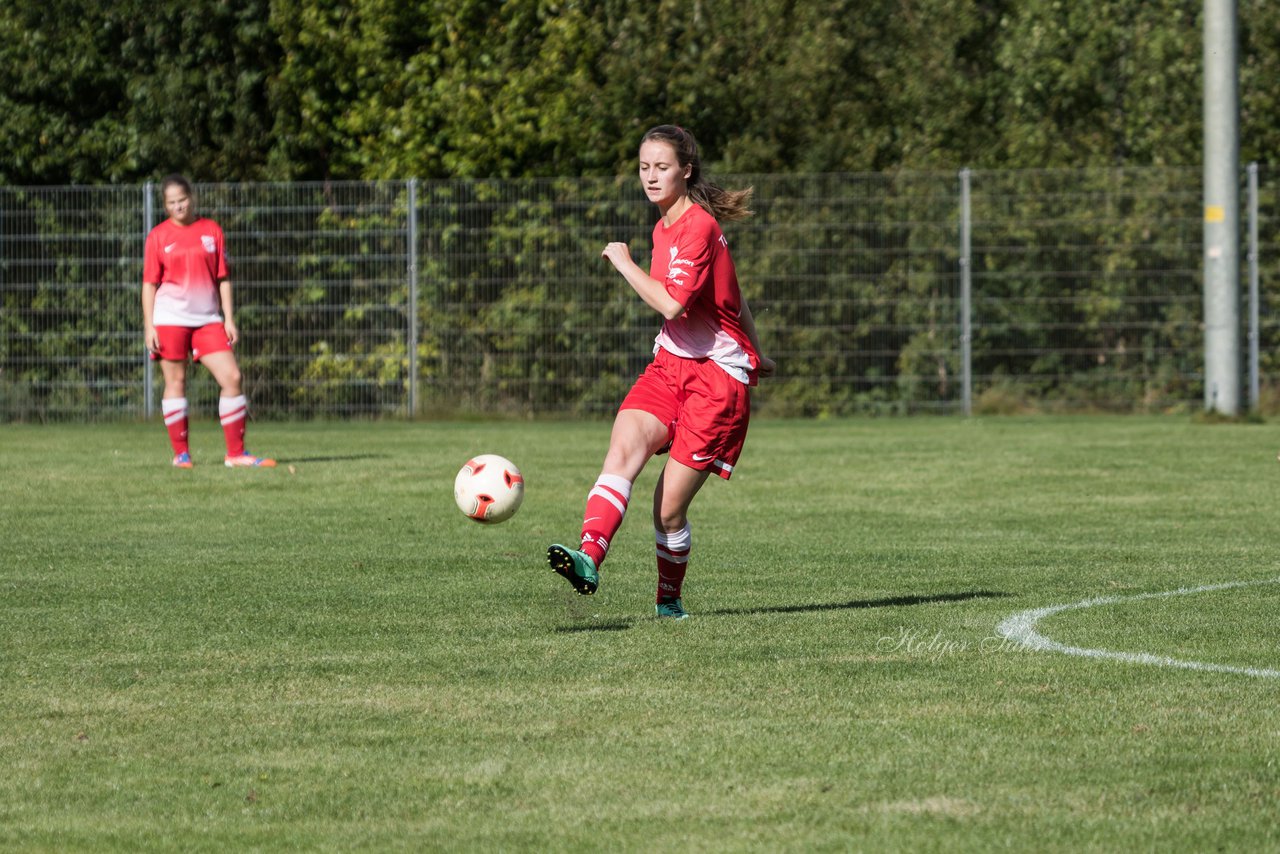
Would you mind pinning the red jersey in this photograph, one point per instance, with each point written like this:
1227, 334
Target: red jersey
187, 262
691, 259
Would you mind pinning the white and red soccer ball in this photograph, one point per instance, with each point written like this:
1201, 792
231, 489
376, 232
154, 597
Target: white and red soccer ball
489, 489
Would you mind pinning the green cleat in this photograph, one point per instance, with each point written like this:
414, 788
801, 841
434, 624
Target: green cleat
671, 609
577, 567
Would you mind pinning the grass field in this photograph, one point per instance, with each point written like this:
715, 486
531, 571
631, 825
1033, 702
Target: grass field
329, 656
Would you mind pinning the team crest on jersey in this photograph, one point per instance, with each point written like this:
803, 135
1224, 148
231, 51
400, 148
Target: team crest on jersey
210, 245
674, 273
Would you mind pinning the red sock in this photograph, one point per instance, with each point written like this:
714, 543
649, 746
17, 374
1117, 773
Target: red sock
175, 421
232, 410
673, 560
606, 505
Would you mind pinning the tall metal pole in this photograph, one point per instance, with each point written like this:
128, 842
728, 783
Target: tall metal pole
1254, 362
413, 297
1221, 211
966, 294
148, 370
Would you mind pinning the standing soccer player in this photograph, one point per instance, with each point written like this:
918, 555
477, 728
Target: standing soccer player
693, 399
187, 310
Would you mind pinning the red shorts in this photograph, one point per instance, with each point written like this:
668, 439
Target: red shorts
706, 410
177, 341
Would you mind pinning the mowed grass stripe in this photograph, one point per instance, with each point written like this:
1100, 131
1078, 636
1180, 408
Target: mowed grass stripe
333, 657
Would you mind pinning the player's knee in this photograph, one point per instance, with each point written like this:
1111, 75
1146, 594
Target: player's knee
627, 454
231, 381
671, 519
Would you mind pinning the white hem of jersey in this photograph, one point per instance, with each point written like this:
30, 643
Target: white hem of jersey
732, 369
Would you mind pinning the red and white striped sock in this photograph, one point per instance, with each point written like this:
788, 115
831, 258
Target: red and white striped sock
606, 506
232, 411
673, 559
175, 421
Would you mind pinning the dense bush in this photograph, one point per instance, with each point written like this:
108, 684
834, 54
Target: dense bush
325, 89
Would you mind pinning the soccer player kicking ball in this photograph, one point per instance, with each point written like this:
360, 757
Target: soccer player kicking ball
187, 309
693, 399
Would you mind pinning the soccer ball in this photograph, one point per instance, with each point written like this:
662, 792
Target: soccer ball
489, 489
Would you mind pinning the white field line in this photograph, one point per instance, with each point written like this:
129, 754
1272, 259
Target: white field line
1021, 627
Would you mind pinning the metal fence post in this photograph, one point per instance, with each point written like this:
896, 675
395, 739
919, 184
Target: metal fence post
413, 297
1221, 209
1254, 384
966, 288
148, 370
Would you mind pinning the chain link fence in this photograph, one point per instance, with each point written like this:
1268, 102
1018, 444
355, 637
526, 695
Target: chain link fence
986, 291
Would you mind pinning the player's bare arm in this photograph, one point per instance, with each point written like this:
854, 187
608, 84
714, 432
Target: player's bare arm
649, 288
228, 311
150, 338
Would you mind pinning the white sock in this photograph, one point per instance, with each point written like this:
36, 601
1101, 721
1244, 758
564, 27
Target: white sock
232, 408
173, 408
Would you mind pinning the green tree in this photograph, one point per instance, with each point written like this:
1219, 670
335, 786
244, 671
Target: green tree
115, 92
1098, 82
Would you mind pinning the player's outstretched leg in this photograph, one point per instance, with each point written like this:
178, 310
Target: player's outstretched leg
576, 567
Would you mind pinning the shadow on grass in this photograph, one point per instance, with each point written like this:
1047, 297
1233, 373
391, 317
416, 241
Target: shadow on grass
341, 459
855, 604
887, 602
614, 626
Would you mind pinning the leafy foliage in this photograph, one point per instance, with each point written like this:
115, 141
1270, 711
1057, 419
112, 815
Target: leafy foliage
374, 89
110, 92
516, 116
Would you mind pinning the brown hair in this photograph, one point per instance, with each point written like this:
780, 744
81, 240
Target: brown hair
176, 180
724, 205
